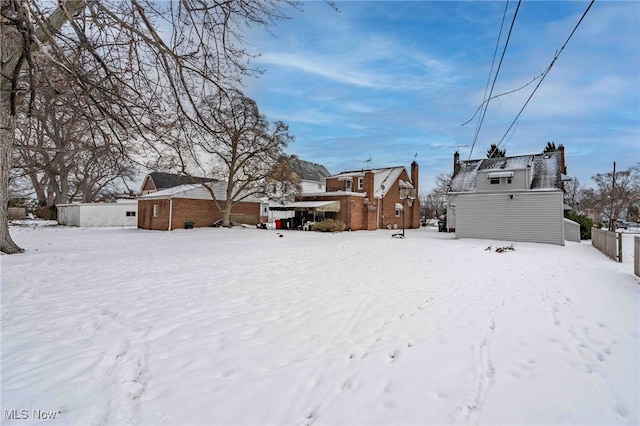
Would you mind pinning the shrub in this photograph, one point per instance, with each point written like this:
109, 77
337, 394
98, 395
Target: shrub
585, 224
329, 225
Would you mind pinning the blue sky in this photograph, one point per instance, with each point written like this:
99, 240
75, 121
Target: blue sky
386, 80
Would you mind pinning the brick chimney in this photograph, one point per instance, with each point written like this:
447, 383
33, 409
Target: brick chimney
456, 161
563, 167
414, 176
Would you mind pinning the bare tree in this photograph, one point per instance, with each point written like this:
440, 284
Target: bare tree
434, 201
242, 147
65, 152
124, 56
573, 193
429, 204
616, 195
282, 184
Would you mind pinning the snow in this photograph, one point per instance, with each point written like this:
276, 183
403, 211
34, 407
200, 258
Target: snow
241, 326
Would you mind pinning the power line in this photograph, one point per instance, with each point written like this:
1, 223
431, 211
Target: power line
495, 78
546, 72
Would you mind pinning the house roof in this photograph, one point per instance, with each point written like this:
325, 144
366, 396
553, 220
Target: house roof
196, 191
163, 180
545, 170
307, 170
383, 178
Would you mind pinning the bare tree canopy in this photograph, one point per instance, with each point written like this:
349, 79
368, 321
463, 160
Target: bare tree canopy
614, 193
64, 151
127, 58
241, 147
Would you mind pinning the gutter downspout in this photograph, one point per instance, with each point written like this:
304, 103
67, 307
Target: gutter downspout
170, 211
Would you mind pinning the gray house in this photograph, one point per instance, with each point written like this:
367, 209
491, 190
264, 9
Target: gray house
509, 198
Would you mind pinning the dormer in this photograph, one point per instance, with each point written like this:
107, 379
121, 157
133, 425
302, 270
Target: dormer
504, 180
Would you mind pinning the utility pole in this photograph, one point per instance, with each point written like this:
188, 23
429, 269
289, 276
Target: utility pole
612, 226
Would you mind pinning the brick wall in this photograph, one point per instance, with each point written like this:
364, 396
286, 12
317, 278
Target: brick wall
202, 212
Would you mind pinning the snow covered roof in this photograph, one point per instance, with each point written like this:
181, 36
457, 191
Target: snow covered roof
163, 180
197, 192
545, 170
307, 170
383, 179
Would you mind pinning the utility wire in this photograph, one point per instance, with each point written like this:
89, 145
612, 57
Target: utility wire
546, 72
500, 95
493, 62
495, 78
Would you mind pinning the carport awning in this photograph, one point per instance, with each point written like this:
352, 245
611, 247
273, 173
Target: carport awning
318, 206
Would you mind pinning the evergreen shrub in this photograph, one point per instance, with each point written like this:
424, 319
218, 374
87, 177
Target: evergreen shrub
585, 224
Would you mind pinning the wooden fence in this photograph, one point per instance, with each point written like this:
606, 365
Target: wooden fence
636, 256
609, 243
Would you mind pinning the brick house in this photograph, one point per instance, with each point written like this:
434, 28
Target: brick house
365, 199
173, 207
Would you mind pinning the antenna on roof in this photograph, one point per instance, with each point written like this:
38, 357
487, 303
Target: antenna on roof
369, 162
457, 147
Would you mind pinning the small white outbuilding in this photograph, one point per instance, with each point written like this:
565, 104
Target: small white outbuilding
90, 215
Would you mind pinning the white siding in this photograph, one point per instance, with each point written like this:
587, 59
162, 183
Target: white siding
520, 180
98, 215
571, 230
69, 214
309, 186
519, 216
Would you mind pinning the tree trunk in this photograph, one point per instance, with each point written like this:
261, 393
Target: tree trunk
12, 48
7, 130
8, 43
226, 215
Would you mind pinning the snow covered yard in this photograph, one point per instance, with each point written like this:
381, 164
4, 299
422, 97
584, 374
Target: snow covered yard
240, 326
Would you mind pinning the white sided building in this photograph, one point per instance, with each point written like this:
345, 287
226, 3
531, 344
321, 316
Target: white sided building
91, 215
510, 199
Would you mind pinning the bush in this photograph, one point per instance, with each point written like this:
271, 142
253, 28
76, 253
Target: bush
329, 225
585, 224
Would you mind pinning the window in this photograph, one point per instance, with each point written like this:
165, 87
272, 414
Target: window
398, 212
494, 181
360, 183
155, 210
347, 185
509, 180
131, 214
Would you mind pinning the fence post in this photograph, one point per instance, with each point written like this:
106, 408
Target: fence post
619, 241
636, 255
